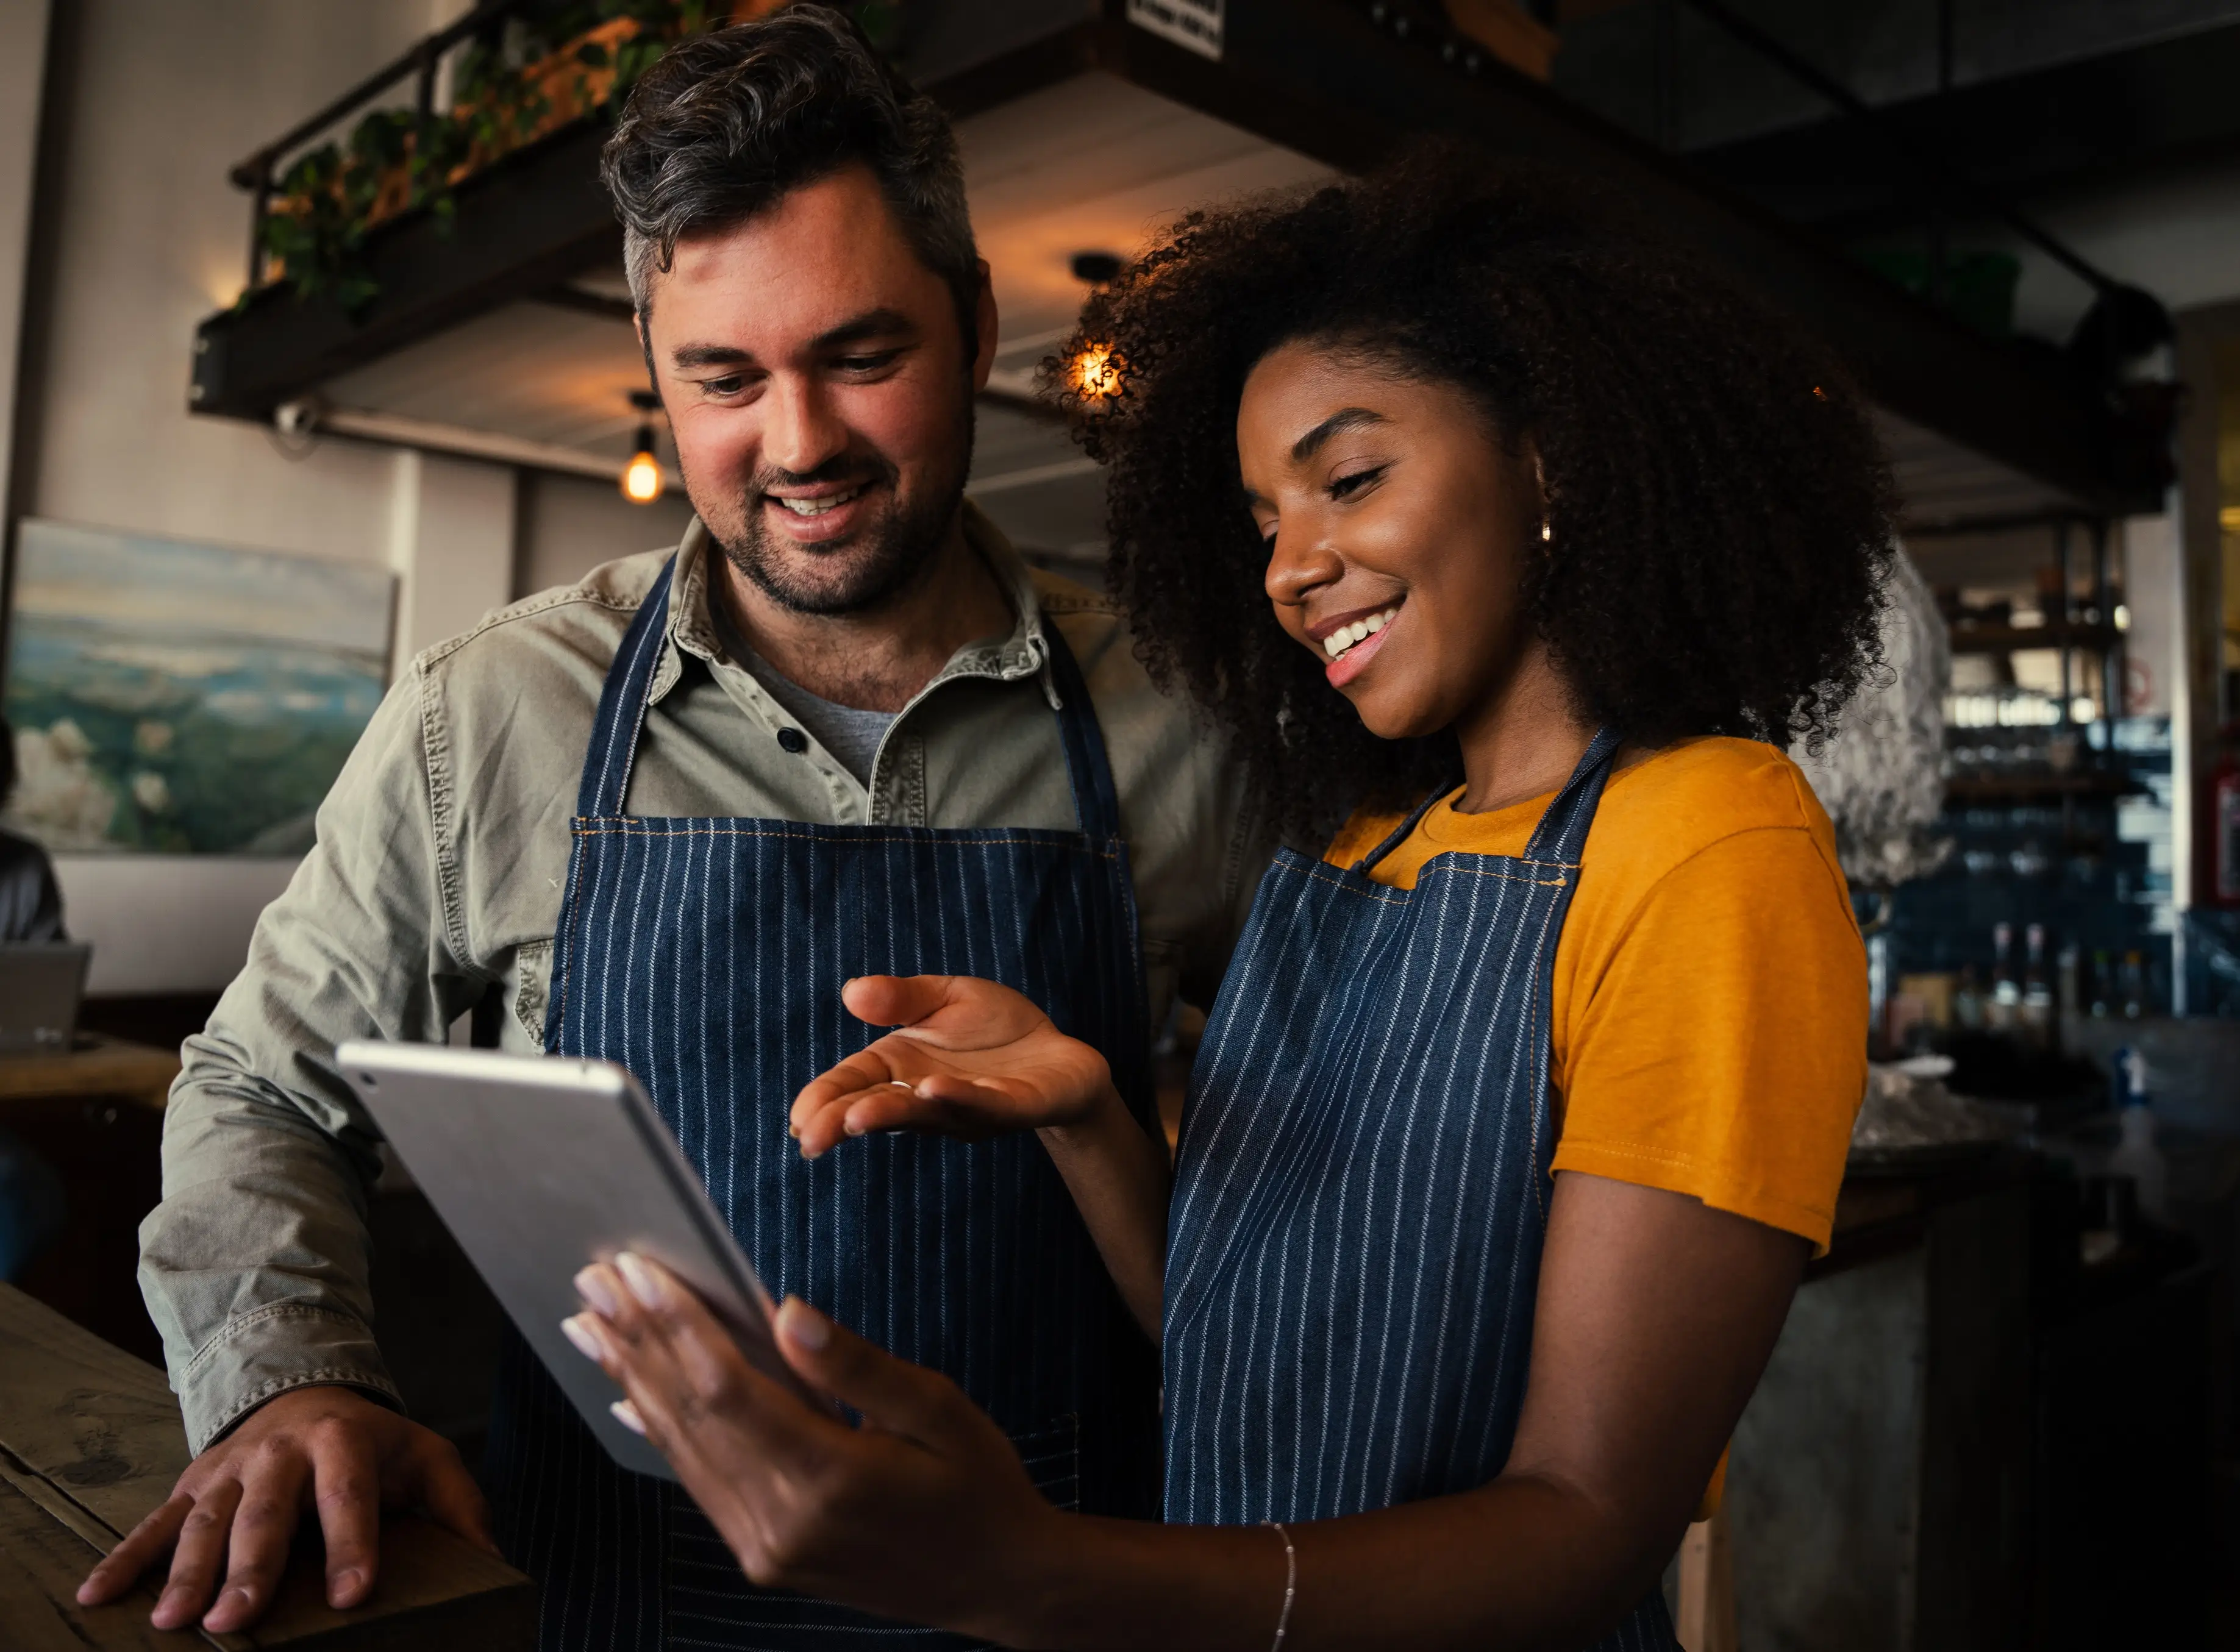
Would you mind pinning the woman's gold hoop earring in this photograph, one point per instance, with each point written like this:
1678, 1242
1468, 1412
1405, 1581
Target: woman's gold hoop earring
1547, 534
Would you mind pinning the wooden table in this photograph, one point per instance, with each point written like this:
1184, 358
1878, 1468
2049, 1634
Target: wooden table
101, 1066
90, 1441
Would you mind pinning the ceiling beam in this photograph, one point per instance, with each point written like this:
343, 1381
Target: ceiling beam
1322, 78
2093, 123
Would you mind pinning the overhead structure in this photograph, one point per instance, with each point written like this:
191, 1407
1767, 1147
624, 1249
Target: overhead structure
1085, 125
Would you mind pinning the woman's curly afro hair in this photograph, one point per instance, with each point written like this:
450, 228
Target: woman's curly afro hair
1718, 504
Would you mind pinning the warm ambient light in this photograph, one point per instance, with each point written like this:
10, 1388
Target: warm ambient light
642, 476
642, 479
1097, 372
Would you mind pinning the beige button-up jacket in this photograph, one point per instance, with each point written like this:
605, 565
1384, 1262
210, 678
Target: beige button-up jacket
436, 883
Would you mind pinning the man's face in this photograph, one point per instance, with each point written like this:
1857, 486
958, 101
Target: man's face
816, 381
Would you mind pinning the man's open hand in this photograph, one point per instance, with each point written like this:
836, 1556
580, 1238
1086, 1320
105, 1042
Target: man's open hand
234, 1511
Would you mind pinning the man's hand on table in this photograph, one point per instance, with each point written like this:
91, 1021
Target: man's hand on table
234, 1510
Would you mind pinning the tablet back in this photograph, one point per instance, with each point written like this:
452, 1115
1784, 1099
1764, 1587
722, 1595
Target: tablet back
541, 1164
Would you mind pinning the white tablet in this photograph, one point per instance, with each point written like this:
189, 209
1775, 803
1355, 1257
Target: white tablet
540, 1165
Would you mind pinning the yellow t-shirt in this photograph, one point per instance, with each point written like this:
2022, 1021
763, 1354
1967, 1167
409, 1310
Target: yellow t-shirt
1709, 1010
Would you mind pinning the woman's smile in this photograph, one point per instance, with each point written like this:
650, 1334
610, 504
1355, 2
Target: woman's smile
1352, 640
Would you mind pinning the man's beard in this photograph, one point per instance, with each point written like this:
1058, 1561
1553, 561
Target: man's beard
871, 567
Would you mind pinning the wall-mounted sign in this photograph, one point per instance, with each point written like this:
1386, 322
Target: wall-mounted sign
1194, 23
178, 699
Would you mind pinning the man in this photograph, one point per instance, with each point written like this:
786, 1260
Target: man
844, 731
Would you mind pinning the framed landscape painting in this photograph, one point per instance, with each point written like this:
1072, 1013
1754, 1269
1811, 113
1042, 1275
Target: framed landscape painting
171, 698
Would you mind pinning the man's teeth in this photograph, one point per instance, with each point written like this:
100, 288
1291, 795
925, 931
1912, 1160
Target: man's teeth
818, 507
1345, 636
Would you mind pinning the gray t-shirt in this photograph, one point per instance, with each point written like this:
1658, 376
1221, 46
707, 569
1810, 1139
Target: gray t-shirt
850, 735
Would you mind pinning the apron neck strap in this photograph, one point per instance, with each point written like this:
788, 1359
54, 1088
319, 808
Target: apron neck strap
1401, 833
1562, 832
629, 689
622, 706
1096, 801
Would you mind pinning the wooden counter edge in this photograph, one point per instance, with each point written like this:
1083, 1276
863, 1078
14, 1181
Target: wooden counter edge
93, 1438
106, 1066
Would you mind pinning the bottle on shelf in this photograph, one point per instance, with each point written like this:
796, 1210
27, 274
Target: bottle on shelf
2005, 1012
2131, 986
2224, 819
2036, 1007
1968, 1000
2136, 1155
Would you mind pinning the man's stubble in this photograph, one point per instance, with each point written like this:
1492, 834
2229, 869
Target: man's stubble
878, 564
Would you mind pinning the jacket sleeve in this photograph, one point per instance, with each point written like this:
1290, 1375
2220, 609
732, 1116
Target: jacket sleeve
255, 1265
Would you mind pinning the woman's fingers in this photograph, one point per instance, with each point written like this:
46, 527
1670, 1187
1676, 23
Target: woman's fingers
895, 1001
822, 1124
860, 1071
681, 1372
894, 1395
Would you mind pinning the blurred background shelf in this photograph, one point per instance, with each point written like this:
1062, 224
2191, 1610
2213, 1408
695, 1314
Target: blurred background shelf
2005, 639
1963, 790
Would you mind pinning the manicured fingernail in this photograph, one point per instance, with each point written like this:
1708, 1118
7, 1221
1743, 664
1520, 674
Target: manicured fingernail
805, 1325
577, 1329
626, 1414
343, 1585
641, 1279
591, 1285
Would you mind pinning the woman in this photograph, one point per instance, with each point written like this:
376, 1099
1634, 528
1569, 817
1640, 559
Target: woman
1525, 1104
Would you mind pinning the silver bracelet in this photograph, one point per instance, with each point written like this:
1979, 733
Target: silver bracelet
1291, 1582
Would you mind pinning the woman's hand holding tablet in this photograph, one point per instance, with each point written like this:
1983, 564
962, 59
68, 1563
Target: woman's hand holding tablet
924, 1512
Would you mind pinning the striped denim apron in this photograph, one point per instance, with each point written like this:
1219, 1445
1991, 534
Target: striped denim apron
707, 957
1362, 1189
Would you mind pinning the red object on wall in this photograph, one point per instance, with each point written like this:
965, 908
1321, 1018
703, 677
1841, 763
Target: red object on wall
2224, 819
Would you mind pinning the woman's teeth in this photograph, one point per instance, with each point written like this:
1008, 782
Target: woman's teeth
818, 507
1345, 636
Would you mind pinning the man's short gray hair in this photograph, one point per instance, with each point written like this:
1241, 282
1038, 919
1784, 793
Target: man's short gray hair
729, 122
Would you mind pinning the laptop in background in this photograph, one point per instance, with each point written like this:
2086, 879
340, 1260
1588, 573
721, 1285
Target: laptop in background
41, 985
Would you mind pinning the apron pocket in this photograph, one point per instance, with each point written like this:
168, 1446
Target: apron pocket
1051, 1455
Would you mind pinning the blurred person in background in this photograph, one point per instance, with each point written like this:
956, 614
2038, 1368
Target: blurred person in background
32, 1203
30, 902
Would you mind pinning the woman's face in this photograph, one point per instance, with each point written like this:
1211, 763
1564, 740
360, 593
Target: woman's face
1397, 527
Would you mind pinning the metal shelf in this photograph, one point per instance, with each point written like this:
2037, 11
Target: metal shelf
2021, 789
2007, 639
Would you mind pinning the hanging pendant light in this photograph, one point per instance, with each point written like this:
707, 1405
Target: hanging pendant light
642, 481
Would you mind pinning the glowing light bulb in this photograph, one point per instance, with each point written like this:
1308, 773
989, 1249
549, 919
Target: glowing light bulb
1097, 372
642, 479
